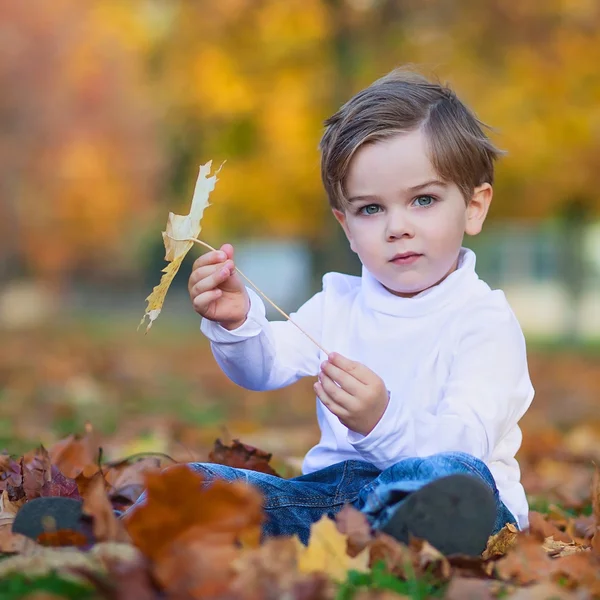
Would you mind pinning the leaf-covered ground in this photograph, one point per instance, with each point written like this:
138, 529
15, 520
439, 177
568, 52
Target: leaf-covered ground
161, 400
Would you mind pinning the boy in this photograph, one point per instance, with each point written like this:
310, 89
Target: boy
419, 398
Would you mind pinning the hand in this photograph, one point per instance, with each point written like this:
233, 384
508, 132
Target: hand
217, 291
352, 392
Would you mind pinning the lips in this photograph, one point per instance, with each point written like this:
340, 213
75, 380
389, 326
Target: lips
405, 256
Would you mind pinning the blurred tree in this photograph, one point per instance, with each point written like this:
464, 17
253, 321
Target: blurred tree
79, 159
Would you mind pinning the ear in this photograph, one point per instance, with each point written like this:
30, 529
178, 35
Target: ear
477, 208
341, 219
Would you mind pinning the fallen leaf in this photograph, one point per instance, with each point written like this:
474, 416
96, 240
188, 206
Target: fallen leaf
395, 556
540, 526
72, 454
466, 588
544, 591
106, 526
527, 562
177, 501
180, 227
270, 571
326, 552
62, 539
241, 456
354, 524
500, 543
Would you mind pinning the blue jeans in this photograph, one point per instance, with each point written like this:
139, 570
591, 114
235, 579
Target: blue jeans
292, 505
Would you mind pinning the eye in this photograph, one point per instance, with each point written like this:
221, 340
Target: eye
369, 209
424, 201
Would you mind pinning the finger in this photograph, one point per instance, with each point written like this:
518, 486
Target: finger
203, 301
356, 369
332, 406
334, 391
346, 380
206, 271
210, 282
209, 258
228, 250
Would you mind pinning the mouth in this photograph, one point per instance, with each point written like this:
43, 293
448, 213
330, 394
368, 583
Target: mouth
405, 258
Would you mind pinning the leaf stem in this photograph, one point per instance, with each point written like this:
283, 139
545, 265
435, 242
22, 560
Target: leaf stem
197, 241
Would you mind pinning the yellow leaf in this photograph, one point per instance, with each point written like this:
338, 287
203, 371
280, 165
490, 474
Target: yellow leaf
180, 227
326, 552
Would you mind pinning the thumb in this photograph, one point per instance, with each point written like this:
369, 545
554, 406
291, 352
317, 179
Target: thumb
228, 249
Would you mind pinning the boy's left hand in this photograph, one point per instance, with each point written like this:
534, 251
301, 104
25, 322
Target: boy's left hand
352, 392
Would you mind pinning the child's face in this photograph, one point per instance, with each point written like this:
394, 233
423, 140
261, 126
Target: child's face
399, 205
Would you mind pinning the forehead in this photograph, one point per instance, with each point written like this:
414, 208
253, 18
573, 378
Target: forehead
393, 164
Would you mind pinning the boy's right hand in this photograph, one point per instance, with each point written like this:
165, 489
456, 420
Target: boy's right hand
216, 290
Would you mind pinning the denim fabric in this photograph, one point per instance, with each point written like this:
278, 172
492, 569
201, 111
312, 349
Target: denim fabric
292, 505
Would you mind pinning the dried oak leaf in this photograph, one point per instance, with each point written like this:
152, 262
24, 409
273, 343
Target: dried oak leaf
180, 227
241, 456
354, 524
326, 552
500, 543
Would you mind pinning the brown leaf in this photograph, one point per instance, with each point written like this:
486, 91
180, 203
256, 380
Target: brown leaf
581, 569
270, 572
540, 526
127, 479
72, 454
544, 591
397, 558
106, 526
177, 504
241, 456
354, 524
60, 485
596, 511
500, 543
430, 559
62, 538
466, 588
197, 565
10, 472
36, 470
9, 541
526, 563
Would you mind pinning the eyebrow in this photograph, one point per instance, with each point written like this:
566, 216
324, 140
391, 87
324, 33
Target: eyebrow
413, 189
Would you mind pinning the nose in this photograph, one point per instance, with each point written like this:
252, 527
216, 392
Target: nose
398, 225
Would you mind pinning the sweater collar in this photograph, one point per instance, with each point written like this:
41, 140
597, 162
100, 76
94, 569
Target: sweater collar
455, 288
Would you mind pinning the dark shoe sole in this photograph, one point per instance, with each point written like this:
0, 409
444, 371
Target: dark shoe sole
53, 513
455, 514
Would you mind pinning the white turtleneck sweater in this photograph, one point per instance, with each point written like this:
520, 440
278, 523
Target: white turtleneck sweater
453, 358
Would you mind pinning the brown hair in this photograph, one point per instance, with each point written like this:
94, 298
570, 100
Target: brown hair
403, 101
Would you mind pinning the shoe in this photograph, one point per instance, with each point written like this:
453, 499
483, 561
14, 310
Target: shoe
455, 514
41, 515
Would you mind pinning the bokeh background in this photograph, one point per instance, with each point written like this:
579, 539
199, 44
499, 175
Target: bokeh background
107, 108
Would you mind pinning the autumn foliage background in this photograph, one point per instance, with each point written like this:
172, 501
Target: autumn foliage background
106, 111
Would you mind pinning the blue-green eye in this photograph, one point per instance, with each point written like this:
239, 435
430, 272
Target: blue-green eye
369, 209
427, 201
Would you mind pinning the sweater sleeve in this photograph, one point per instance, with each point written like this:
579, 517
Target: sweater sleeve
488, 390
263, 355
